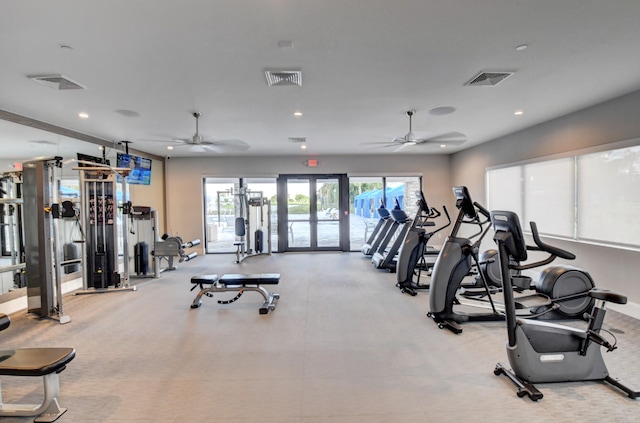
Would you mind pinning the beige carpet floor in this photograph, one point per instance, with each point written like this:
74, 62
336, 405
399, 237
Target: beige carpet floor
343, 346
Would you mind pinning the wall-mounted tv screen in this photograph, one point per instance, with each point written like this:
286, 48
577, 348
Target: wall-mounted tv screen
140, 168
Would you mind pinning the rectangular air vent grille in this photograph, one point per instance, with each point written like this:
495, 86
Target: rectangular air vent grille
297, 140
281, 77
488, 79
58, 82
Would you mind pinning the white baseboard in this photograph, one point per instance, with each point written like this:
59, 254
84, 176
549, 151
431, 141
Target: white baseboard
20, 303
628, 309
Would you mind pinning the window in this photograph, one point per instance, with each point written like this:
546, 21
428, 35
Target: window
589, 197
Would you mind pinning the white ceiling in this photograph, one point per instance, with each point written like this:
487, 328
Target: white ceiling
364, 63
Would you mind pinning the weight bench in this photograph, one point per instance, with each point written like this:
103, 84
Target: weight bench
44, 362
237, 283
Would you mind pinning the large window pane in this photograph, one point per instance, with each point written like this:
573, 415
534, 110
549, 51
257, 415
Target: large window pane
504, 189
549, 196
403, 189
609, 196
364, 200
220, 214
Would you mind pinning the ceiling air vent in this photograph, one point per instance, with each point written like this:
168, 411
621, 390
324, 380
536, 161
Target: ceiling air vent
278, 77
58, 82
488, 79
297, 140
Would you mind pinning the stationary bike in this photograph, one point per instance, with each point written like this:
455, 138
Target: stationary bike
544, 352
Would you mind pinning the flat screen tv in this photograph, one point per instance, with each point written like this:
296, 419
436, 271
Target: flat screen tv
140, 168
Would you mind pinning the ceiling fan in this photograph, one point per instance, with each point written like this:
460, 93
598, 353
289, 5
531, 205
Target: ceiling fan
220, 146
410, 139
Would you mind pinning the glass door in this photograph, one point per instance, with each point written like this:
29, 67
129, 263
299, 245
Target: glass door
312, 213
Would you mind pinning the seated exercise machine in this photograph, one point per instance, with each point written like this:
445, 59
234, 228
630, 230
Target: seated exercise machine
560, 293
412, 258
171, 247
39, 362
545, 352
382, 227
237, 283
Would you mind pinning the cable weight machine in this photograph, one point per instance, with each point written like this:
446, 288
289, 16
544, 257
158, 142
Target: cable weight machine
43, 258
253, 209
11, 225
102, 222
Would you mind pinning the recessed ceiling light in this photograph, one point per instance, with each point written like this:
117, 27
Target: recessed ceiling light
83, 115
304, 147
169, 147
443, 145
297, 114
518, 113
522, 47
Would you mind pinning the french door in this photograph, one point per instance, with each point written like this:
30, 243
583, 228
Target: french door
313, 213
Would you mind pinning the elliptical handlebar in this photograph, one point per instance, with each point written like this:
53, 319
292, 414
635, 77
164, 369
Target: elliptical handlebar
482, 210
434, 213
446, 213
558, 252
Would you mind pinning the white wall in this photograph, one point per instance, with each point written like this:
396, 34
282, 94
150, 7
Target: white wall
610, 122
185, 213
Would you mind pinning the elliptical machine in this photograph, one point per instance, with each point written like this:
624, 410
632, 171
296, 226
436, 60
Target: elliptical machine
561, 292
544, 352
455, 262
412, 258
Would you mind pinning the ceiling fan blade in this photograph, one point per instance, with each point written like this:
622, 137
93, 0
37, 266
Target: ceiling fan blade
402, 146
449, 138
232, 145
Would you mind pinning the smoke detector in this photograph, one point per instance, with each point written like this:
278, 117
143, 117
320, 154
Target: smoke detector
58, 82
278, 77
489, 79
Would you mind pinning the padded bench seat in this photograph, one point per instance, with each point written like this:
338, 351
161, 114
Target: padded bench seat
237, 282
39, 362
34, 361
250, 279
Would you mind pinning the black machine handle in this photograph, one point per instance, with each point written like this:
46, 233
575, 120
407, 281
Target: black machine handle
482, 210
446, 213
548, 248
